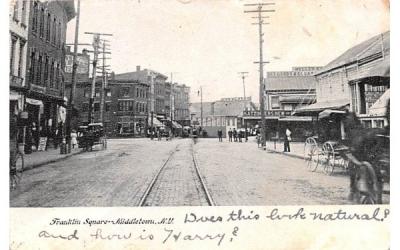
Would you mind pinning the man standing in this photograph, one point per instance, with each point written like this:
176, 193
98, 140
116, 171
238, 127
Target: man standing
220, 135
240, 135
234, 135
230, 135
288, 138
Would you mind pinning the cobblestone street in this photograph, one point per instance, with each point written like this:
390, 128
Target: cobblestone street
234, 173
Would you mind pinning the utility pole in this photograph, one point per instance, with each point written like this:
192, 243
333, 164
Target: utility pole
73, 81
201, 107
243, 76
260, 18
104, 80
96, 47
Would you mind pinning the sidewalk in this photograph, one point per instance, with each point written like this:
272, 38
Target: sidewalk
39, 158
296, 149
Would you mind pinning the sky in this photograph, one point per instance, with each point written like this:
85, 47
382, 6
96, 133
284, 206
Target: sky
207, 42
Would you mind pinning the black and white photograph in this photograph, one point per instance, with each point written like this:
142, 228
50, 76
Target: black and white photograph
150, 103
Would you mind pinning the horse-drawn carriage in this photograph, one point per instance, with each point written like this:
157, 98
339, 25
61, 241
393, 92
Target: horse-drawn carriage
90, 135
361, 152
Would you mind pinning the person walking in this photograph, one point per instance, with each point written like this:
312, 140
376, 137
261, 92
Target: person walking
230, 135
235, 134
288, 138
220, 135
74, 140
240, 134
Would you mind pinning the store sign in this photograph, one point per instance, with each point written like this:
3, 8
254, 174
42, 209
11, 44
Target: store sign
42, 143
82, 62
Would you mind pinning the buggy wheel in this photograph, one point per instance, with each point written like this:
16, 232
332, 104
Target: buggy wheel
311, 154
328, 158
368, 200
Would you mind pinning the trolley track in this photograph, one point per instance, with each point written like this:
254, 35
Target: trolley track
158, 177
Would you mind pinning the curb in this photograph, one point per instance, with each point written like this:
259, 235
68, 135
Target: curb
287, 154
36, 165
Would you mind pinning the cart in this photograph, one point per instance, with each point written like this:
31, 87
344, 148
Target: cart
90, 135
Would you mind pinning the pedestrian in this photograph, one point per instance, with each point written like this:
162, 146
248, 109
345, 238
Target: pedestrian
246, 135
235, 134
287, 139
159, 135
258, 137
74, 141
230, 134
240, 135
220, 135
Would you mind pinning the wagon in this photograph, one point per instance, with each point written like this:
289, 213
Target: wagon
90, 135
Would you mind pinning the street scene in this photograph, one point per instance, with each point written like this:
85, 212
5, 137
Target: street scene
198, 103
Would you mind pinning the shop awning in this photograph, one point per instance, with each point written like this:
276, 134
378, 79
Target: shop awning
296, 119
156, 122
176, 125
34, 101
314, 109
328, 112
297, 99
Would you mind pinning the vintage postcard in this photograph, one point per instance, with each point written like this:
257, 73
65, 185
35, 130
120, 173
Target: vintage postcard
180, 124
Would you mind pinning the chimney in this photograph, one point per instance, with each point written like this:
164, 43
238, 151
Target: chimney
138, 68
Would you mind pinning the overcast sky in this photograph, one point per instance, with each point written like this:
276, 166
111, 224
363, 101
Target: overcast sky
206, 42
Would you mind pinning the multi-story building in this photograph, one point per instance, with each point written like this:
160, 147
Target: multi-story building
45, 56
125, 110
357, 81
180, 104
156, 81
286, 91
19, 21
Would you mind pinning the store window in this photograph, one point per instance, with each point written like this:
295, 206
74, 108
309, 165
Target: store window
275, 102
96, 106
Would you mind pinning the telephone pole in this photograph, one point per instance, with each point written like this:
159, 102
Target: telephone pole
260, 23
96, 47
104, 83
73, 82
243, 76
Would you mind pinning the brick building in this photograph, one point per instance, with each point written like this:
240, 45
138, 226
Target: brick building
45, 56
19, 21
180, 104
354, 81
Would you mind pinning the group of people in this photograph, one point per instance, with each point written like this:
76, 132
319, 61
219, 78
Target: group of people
236, 135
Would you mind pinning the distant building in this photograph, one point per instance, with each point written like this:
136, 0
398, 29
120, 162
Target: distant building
180, 104
222, 114
156, 81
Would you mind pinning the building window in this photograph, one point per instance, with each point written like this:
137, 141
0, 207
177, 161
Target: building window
41, 28
58, 77
125, 91
367, 124
35, 17
275, 102
23, 21
85, 107
96, 106
97, 93
21, 57
54, 31
32, 67
379, 123
52, 74
46, 70
108, 92
15, 15
48, 28
39, 71
59, 35
12, 54
86, 93
107, 106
